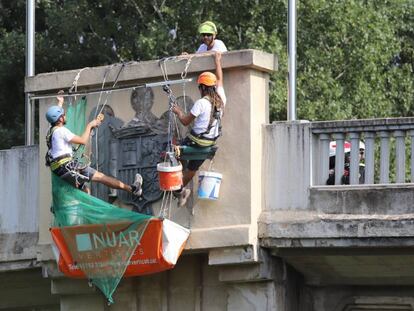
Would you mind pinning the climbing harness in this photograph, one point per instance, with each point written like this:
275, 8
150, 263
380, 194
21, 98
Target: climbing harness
76, 162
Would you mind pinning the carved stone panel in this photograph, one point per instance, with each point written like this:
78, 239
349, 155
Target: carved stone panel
138, 150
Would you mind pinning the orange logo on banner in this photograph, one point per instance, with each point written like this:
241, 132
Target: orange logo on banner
99, 248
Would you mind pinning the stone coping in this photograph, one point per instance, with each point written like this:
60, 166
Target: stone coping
146, 70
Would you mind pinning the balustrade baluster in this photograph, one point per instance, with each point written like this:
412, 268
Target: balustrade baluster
339, 157
411, 133
324, 158
369, 157
400, 156
354, 161
385, 157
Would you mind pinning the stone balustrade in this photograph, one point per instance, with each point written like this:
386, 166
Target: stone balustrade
380, 136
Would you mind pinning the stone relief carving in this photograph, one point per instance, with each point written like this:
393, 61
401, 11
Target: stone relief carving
142, 100
100, 144
135, 147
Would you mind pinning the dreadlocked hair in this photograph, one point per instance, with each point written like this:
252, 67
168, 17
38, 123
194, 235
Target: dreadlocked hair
215, 99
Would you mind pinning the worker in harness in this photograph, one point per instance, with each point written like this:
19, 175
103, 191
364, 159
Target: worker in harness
208, 33
60, 154
206, 114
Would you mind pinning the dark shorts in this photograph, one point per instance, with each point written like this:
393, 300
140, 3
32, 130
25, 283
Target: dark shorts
76, 177
192, 165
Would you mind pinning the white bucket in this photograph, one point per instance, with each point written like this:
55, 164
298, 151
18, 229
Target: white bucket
209, 185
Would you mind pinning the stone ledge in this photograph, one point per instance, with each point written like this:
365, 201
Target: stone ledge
234, 255
219, 237
135, 71
310, 225
318, 245
18, 265
390, 199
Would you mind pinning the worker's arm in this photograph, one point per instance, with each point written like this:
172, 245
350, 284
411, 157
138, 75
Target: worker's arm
60, 98
185, 119
219, 70
83, 140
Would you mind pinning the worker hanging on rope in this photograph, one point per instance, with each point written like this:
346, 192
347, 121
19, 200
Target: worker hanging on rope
206, 114
208, 33
62, 162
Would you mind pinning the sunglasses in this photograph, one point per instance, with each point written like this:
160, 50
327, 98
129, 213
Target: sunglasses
206, 35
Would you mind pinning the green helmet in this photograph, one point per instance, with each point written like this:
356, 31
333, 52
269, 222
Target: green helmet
207, 27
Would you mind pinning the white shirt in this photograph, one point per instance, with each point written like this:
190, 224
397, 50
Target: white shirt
218, 46
61, 142
202, 110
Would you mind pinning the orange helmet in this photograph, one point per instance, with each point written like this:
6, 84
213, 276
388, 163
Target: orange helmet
207, 78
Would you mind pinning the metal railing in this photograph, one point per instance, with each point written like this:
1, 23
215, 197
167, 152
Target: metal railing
382, 138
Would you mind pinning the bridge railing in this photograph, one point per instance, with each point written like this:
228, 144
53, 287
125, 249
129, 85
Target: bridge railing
389, 145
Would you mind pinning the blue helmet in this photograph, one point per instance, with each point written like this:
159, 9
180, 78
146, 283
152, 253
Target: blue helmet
54, 113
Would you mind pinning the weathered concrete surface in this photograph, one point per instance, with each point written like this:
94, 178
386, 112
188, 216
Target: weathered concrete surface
252, 297
19, 207
355, 298
353, 267
18, 246
19, 189
297, 225
287, 163
234, 255
26, 290
192, 285
393, 199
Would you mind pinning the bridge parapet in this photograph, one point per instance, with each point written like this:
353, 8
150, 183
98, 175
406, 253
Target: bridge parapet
298, 203
386, 141
18, 207
357, 234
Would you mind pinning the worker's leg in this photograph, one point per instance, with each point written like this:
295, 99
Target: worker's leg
86, 189
135, 188
192, 168
184, 193
110, 182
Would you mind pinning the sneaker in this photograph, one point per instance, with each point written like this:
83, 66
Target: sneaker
184, 195
137, 185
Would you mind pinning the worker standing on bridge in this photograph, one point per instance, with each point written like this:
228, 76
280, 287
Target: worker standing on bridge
208, 33
60, 155
206, 114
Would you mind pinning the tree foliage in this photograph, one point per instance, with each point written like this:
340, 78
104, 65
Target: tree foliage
355, 58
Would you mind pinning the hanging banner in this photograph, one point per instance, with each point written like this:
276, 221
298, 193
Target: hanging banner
97, 250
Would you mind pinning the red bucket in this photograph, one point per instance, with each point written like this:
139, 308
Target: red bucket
171, 177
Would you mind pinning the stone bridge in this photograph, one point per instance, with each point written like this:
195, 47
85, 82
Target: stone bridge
277, 239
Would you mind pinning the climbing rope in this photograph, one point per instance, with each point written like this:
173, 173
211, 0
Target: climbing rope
166, 203
79, 160
101, 109
74, 86
183, 76
108, 93
171, 153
